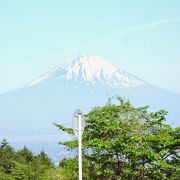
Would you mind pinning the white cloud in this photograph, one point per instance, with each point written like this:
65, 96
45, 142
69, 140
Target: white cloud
150, 25
115, 34
111, 36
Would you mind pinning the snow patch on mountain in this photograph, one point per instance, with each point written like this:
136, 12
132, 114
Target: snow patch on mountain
92, 69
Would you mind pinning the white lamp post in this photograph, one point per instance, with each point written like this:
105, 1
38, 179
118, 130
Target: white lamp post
78, 128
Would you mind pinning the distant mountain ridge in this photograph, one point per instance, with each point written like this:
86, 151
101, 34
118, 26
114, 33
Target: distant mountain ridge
28, 113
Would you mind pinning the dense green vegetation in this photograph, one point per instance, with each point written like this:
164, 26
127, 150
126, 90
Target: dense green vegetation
22, 164
120, 142
124, 142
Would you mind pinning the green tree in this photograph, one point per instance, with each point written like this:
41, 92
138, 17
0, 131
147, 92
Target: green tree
44, 159
125, 142
7, 156
4, 143
23, 164
25, 155
70, 167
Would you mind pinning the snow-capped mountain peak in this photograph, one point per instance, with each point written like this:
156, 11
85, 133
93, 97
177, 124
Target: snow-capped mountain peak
89, 67
92, 69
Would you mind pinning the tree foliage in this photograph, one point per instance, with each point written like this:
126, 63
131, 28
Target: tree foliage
125, 142
23, 164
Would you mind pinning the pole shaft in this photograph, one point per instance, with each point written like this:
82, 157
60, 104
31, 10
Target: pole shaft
80, 146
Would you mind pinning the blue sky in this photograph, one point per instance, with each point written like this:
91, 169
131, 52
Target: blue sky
142, 37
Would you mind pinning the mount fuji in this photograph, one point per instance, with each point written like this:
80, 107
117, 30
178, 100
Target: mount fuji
27, 114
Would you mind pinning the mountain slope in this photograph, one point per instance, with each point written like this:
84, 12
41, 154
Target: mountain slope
28, 113
91, 69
